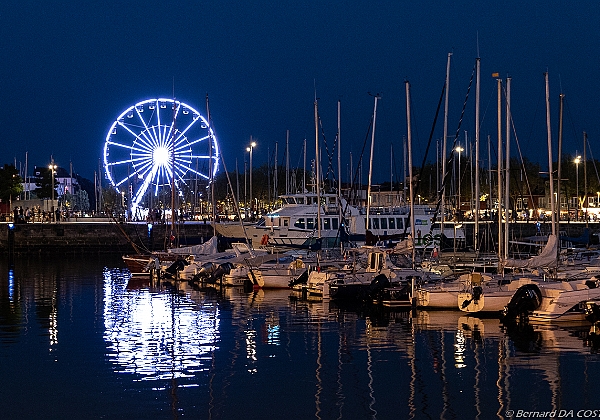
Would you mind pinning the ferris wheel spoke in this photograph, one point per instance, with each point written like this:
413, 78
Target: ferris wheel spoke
199, 173
119, 183
125, 126
172, 126
156, 135
182, 133
139, 114
183, 147
142, 190
182, 143
183, 162
181, 179
142, 163
183, 157
158, 112
140, 156
199, 140
145, 141
114, 143
144, 169
179, 167
121, 162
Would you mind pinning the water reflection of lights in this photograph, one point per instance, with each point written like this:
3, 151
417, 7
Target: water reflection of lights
251, 350
157, 335
459, 350
11, 285
53, 327
272, 329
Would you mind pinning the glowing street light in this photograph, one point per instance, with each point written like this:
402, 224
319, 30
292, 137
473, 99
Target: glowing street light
52, 168
577, 160
458, 149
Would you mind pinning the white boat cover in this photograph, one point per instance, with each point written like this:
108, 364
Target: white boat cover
546, 258
404, 247
207, 248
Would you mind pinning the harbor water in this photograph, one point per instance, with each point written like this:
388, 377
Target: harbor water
79, 338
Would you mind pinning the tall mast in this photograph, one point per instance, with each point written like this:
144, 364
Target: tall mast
173, 211
559, 169
444, 150
304, 173
500, 239
477, 193
507, 168
552, 209
275, 175
371, 159
287, 161
339, 149
210, 166
585, 214
410, 171
237, 177
317, 169
392, 168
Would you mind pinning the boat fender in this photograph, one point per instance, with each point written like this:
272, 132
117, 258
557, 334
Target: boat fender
264, 240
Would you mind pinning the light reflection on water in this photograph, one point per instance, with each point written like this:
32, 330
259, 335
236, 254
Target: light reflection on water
84, 339
157, 335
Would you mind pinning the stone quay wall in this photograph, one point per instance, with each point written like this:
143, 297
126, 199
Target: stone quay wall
96, 237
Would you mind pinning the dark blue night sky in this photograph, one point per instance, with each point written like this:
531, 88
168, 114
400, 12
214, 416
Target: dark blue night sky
69, 68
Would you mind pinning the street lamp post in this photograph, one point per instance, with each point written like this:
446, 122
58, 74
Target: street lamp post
458, 150
577, 160
245, 188
52, 168
249, 149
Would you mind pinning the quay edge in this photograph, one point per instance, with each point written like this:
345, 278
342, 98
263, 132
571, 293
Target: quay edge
82, 237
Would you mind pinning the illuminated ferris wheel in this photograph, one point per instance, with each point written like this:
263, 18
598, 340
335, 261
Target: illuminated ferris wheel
157, 144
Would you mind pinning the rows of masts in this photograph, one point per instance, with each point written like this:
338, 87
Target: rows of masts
502, 188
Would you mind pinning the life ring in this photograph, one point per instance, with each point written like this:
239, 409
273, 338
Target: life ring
264, 240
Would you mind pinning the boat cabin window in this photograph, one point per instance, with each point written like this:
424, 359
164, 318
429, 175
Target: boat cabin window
399, 224
300, 223
334, 224
376, 223
310, 223
331, 200
286, 222
327, 223
299, 200
383, 223
376, 262
392, 223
